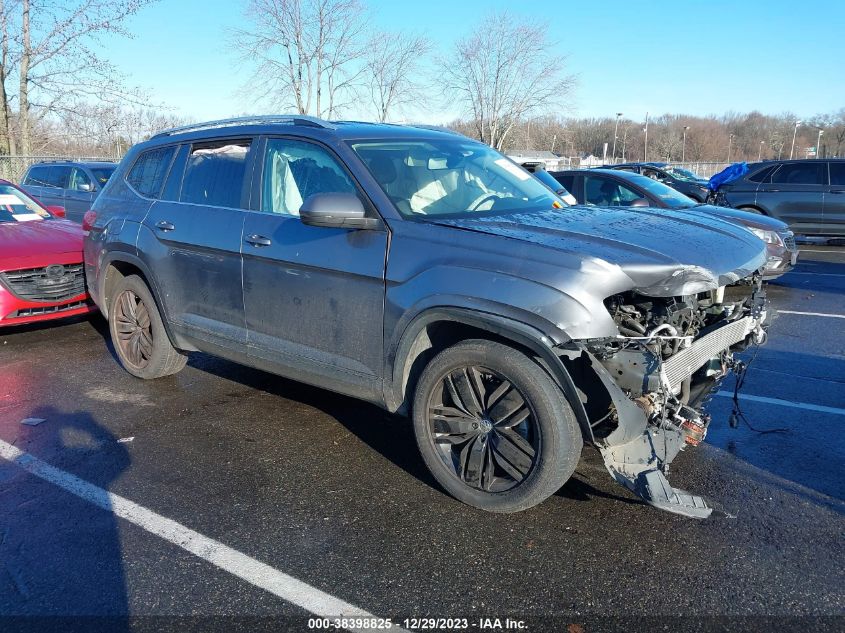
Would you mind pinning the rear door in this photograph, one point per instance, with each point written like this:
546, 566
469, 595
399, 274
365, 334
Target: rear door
313, 296
794, 193
50, 184
834, 200
79, 194
192, 239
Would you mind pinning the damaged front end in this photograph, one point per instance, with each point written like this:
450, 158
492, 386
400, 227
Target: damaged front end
655, 377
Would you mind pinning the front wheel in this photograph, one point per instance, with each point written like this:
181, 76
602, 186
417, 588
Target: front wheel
493, 427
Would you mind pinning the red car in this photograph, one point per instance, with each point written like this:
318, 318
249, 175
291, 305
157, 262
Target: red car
41, 272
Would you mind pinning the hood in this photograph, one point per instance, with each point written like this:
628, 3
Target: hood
663, 252
28, 240
743, 218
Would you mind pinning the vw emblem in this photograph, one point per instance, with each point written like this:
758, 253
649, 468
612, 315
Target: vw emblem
55, 271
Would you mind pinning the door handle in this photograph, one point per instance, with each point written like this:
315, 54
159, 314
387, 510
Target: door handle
258, 240
165, 226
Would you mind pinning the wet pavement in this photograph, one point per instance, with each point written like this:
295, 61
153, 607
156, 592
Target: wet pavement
332, 492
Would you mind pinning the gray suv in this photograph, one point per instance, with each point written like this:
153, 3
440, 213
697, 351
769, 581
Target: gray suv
427, 273
70, 184
808, 194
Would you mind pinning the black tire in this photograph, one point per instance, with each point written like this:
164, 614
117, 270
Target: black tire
487, 465
137, 332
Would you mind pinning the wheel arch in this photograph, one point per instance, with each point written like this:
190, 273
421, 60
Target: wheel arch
753, 208
119, 265
438, 328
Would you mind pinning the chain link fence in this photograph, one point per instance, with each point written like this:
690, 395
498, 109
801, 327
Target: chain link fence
14, 167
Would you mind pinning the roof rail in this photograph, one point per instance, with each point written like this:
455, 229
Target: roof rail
435, 128
293, 119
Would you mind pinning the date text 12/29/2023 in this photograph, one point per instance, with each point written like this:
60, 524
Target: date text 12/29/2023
416, 624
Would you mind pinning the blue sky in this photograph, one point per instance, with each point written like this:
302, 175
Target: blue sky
633, 57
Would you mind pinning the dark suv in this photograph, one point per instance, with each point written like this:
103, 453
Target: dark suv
70, 184
427, 273
807, 194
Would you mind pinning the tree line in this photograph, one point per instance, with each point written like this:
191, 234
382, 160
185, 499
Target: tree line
60, 94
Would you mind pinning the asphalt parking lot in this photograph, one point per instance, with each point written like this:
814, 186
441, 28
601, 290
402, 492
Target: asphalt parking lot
305, 486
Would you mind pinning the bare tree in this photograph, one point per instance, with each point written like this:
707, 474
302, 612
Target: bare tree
305, 51
503, 72
391, 63
58, 61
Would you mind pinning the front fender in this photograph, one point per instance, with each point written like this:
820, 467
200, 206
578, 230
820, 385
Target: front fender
402, 351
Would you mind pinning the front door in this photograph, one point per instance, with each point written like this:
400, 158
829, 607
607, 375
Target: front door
795, 194
313, 296
194, 237
834, 200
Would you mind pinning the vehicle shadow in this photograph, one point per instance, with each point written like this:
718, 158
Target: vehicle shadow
61, 556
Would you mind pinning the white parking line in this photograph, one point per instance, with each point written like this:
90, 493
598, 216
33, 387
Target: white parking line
826, 315
795, 272
784, 403
253, 571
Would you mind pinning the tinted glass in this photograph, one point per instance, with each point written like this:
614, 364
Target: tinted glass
567, 180
215, 174
606, 192
671, 198
453, 178
57, 176
79, 180
294, 170
148, 173
837, 174
763, 175
36, 176
811, 173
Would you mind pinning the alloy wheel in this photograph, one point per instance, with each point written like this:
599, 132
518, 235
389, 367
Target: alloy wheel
483, 429
132, 329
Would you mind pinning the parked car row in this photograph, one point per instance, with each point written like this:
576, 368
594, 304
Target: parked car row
610, 187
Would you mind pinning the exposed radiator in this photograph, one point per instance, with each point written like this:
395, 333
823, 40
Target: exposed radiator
687, 361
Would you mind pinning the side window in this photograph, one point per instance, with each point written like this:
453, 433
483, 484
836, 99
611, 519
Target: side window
567, 181
215, 172
150, 168
763, 175
79, 180
604, 192
837, 174
811, 173
36, 176
58, 176
294, 170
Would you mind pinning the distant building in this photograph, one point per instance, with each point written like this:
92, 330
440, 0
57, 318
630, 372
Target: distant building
553, 162
588, 160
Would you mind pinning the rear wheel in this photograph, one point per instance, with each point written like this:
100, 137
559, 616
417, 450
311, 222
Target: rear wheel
493, 427
138, 334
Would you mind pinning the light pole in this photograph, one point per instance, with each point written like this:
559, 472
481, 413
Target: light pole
760, 153
624, 141
819, 144
615, 136
730, 140
684, 144
645, 142
794, 133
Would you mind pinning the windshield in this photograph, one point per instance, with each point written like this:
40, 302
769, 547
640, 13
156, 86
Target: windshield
102, 174
683, 174
452, 177
672, 198
16, 206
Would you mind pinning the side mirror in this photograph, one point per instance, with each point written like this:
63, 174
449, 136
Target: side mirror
339, 210
86, 186
639, 202
57, 211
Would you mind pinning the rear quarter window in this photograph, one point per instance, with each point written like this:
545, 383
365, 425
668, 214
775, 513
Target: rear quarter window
149, 171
